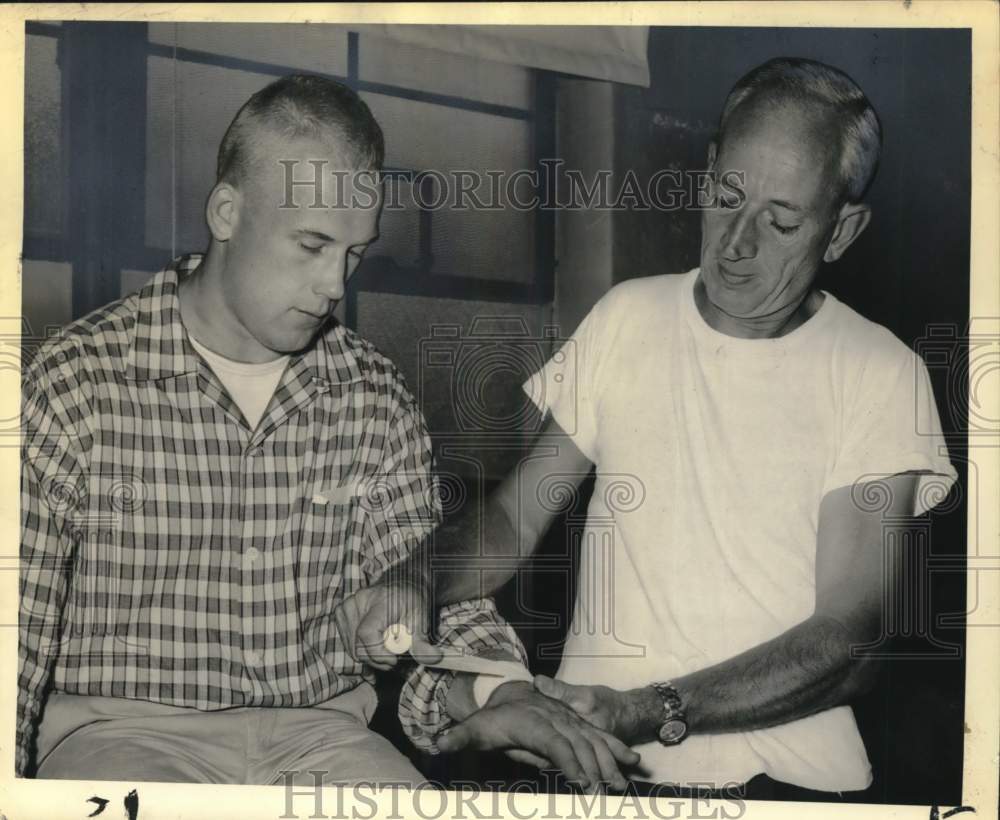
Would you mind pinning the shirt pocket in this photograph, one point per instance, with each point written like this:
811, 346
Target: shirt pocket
324, 535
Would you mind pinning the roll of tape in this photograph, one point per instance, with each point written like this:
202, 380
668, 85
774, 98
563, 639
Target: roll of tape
398, 639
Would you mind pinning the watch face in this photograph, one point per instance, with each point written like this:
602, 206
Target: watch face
673, 731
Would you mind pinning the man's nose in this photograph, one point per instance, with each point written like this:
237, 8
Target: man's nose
331, 283
740, 238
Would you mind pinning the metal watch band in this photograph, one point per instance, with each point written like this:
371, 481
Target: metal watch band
674, 727
670, 697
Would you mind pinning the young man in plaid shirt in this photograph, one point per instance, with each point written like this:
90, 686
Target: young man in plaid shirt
210, 468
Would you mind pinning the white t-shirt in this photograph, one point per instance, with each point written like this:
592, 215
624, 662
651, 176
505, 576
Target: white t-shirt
713, 454
251, 386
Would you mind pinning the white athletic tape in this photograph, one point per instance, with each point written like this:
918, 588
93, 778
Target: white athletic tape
398, 640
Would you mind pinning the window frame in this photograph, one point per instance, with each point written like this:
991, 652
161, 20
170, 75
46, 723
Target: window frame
76, 246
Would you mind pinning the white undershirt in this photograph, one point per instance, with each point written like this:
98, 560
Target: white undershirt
713, 454
250, 385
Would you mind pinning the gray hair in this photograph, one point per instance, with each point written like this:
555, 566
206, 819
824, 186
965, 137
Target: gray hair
301, 105
825, 90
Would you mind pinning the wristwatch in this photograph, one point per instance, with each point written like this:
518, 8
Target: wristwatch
674, 727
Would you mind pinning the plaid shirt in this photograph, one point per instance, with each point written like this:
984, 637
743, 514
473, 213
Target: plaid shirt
169, 553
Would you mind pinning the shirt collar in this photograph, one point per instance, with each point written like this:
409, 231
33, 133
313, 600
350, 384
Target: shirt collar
160, 347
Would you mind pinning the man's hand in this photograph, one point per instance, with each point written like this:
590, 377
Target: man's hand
531, 727
611, 710
363, 618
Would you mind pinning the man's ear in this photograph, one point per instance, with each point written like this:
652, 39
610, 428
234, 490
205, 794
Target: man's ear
851, 221
222, 211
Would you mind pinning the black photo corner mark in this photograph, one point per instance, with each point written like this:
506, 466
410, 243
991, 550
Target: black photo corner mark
100, 802
132, 805
936, 812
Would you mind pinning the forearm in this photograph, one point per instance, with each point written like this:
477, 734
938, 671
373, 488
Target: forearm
464, 559
470, 556
475, 555
805, 670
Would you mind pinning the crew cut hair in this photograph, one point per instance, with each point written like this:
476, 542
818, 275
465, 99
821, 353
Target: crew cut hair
301, 105
826, 91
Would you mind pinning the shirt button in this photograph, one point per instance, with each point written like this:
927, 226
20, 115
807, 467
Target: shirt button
253, 657
252, 554
254, 451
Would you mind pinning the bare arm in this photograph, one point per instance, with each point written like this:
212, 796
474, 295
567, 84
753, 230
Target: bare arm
805, 669
473, 558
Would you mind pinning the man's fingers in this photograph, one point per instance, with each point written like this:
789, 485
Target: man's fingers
546, 685
456, 738
524, 756
545, 740
363, 618
423, 652
623, 754
584, 751
371, 642
561, 752
557, 689
610, 773
534, 735
376, 656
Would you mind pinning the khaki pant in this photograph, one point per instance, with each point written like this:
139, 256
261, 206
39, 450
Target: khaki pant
97, 738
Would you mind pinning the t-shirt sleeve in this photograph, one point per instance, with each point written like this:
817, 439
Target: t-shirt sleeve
891, 426
568, 386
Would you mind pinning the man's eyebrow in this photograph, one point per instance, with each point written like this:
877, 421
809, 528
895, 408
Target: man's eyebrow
314, 234
326, 237
788, 206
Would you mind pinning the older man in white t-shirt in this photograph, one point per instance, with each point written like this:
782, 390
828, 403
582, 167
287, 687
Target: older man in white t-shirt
769, 435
